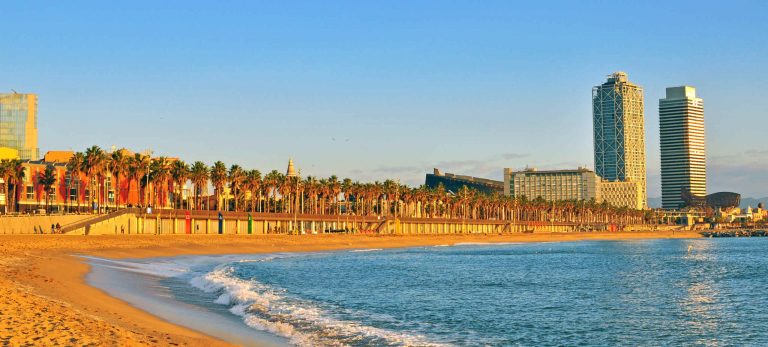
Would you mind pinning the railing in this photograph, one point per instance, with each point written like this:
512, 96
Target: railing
99, 218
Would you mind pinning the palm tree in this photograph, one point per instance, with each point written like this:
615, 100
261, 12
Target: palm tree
199, 176
159, 173
74, 167
93, 166
16, 169
137, 168
271, 181
48, 179
179, 175
118, 164
218, 178
236, 176
6, 173
253, 179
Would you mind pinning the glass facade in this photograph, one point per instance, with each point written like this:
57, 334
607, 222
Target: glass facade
619, 131
556, 185
18, 124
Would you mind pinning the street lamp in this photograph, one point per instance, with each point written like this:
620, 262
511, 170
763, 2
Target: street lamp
149, 169
295, 207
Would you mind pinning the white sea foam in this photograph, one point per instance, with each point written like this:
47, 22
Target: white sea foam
158, 268
366, 250
256, 260
487, 243
301, 322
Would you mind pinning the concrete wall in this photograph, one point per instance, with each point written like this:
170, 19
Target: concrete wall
27, 224
131, 223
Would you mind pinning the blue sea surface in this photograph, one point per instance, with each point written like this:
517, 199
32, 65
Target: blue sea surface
647, 292
590, 293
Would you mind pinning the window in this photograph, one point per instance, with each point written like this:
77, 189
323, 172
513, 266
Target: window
30, 193
73, 194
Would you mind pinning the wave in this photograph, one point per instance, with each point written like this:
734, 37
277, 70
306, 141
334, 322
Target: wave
486, 243
366, 250
157, 268
300, 321
261, 260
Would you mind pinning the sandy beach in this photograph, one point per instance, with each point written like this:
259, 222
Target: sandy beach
44, 299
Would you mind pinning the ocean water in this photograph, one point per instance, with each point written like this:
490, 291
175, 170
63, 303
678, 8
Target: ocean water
595, 293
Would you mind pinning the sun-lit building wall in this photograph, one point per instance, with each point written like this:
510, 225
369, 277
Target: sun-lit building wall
18, 124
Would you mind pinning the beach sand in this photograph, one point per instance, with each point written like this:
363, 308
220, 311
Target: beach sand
44, 299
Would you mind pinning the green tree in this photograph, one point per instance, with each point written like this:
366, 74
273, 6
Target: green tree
218, 179
75, 169
179, 174
235, 176
93, 166
199, 177
6, 173
159, 173
136, 169
48, 179
118, 164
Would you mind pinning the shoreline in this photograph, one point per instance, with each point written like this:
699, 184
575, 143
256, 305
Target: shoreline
45, 291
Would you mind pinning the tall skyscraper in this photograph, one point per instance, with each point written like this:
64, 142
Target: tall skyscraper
619, 131
683, 153
18, 124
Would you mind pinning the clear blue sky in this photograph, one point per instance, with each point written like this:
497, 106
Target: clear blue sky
374, 90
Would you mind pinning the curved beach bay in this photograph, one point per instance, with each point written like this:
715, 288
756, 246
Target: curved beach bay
45, 299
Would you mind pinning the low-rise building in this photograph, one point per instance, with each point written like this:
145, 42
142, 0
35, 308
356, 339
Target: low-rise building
552, 185
453, 183
74, 192
575, 185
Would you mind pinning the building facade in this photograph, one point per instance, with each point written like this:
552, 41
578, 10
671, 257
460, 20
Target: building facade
453, 183
74, 192
619, 131
683, 151
18, 124
553, 185
571, 185
622, 194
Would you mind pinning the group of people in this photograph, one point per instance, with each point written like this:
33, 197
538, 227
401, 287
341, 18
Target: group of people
55, 229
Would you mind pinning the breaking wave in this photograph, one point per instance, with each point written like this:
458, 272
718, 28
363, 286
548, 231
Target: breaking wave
303, 323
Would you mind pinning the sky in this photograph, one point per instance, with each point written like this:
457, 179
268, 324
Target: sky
372, 90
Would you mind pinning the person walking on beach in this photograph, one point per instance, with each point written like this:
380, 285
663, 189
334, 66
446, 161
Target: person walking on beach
58, 228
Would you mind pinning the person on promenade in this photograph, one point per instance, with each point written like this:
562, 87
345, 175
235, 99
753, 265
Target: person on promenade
53, 229
58, 228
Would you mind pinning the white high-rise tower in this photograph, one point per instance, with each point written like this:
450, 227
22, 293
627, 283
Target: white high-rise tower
683, 152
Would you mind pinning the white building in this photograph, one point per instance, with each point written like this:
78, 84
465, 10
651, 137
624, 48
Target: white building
683, 152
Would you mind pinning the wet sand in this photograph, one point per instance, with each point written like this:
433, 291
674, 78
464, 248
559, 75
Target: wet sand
44, 299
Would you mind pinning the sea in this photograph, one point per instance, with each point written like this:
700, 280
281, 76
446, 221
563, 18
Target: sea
710, 292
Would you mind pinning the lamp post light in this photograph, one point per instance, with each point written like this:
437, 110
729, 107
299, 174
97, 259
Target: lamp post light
149, 169
295, 207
